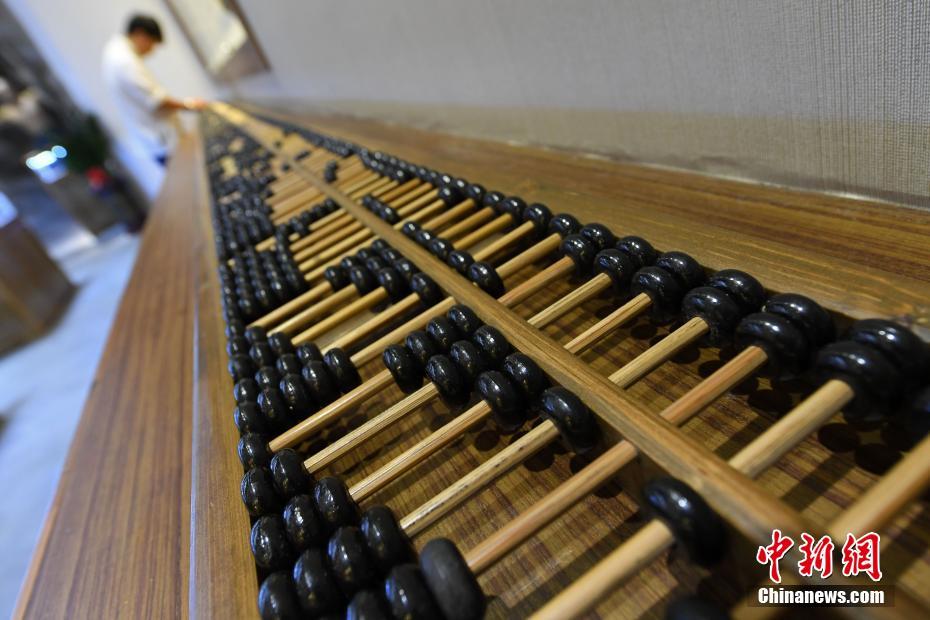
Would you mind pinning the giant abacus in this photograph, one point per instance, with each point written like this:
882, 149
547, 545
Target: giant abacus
455, 402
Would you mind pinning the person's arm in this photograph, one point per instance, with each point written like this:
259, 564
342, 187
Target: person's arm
170, 104
137, 82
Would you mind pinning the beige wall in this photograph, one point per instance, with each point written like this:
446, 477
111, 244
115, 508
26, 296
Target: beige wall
831, 95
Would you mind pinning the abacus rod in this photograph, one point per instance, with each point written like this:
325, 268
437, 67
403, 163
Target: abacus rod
504, 241
646, 362
450, 215
317, 310
591, 288
343, 314
401, 189
410, 196
496, 225
309, 297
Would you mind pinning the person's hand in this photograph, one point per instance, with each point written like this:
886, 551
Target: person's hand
195, 103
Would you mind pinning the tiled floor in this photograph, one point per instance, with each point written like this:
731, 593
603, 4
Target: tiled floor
44, 385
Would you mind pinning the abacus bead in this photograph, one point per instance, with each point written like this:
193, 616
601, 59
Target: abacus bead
663, 290
905, 350
917, 416
255, 334
237, 345
451, 582
784, 344
309, 351
288, 364
392, 283
302, 524
443, 332
348, 560
421, 346
464, 319
280, 343
245, 391
450, 195
348, 262
475, 192
317, 591
875, 381
277, 600
526, 376
258, 494
295, 395
375, 264
695, 524
599, 235
683, 267
262, 355
575, 423
240, 367
380, 245
806, 314
440, 248
470, 360
363, 280
492, 343
580, 250
618, 267
638, 249
248, 419
391, 255
492, 199
408, 596
403, 366
267, 377
270, 546
426, 289
290, 476
319, 383
718, 310
367, 605
253, 451
448, 379
423, 237
235, 328
341, 368
745, 290
333, 503
409, 229
499, 393
460, 261
486, 277
387, 543
273, 407
563, 225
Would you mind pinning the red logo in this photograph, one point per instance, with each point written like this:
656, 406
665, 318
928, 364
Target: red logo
859, 555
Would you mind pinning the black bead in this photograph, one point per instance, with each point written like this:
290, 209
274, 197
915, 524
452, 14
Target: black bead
240, 367
514, 207
342, 370
280, 343
460, 261
426, 289
317, 590
275, 409
408, 596
875, 380
526, 376
906, 351
349, 562
393, 283
363, 280
409, 229
464, 319
806, 314
245, 391
683, 268
493, 199
255, 334
450, 195
390, 255
695, 524
492, 343
917, 416
380, 245
348, 262
248, 418
387, 543
563, 225
253, 451
423, 237
475, 192
309, 351
270, 546
745, 290
367, 605
580, 250
599, 235
262, 355
448, 379
421, 346
638, 250
719, 311
237, 345
503, 398
288, 364
290, 476
337, 276
440, 248
267, 377
539, 215
258, 494
277, 600
486, 277
333, 503
784, 344
453, 585
295, 394
443, 332
374, 264
303, 526
618, 267
235, 328
571, 417
319, 382
403, 366
469, 358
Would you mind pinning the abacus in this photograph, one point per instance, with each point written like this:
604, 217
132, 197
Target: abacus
455, 402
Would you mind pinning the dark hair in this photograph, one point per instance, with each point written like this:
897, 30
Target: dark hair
146, 24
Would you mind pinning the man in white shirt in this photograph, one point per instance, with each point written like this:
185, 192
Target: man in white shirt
146, 108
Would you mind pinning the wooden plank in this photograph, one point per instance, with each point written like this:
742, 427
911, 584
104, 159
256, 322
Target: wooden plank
116, 542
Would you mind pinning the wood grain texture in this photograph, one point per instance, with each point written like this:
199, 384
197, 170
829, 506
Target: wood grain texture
117, 539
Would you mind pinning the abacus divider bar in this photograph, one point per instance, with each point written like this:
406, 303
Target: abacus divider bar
395, 412
358, 306
585, 593
535, 440
315, 311
646, 362
415, 455
281, 312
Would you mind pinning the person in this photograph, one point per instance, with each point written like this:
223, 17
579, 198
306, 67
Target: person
145, 106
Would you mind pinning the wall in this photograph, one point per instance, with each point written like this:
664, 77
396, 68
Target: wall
71, 36
829, 95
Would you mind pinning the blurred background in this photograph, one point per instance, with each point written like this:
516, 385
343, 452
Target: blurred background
827, 96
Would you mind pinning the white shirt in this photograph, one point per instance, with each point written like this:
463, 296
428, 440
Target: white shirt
138, 96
